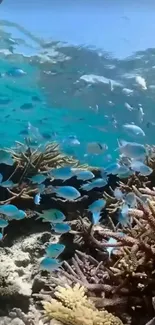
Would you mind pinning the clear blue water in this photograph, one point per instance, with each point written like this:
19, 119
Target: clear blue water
78, 59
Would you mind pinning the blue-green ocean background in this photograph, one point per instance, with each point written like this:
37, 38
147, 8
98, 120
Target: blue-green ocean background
56, 45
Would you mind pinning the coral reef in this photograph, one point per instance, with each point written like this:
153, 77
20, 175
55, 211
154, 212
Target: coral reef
119, 276
73, 307
127, 277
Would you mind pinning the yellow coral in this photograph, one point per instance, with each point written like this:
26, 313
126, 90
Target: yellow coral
74, 308
72, 297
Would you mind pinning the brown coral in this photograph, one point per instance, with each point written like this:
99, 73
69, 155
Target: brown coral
29, 161
74, 308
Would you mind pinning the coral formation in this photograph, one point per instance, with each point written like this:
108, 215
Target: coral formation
127, 277
121, 281
73, 307
41, 160
29, 161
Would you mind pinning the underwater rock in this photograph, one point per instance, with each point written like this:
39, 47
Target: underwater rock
17, 321
5, 320
18, 266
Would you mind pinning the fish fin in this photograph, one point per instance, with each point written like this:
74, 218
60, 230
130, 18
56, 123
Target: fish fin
121, 143
96, 217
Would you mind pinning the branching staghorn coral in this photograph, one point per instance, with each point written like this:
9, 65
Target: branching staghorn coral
125, 277
32, 161
29, 161
72, 307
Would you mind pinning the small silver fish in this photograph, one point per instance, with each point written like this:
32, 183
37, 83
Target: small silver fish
129, 107
96, 148
140, 167
133, 130
127, 91
140, 114
132, 149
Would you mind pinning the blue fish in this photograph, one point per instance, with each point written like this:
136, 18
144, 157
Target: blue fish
140, 167
4, 100
20, 215
8, 184
54, 250
9, 210
127, 174
130, 200
123, 217
52, 215
96, 217
38, 179
1, 236
61, 228
5, 157
26, 106
41, 188
63, 173
49, 264
98, 182
95, 208
97, 205
3, 223
67, 192
103, 173
122, 170
112, 169
37, 199
16, 72
111, 241
84, 175
118, 193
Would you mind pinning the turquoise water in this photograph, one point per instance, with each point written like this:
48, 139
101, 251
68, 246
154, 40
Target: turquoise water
72, 90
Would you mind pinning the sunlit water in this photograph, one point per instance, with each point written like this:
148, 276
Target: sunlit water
69, 90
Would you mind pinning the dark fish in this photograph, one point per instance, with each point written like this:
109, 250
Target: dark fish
46, 136
36, 98
23, 132
4, 101
149, 124
26, 106
15, 72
